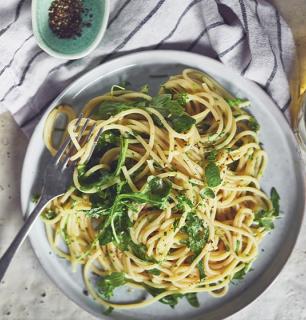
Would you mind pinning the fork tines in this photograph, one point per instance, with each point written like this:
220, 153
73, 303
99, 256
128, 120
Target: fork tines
64, 153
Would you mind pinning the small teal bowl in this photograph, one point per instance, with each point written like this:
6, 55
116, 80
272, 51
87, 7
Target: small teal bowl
69, 48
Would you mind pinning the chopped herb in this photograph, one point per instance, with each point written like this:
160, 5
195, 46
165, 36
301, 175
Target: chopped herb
155, 272
183, 203
197, 233
236, 102
35, 197
107, 284
145, 89
108, 311
212, 174
49, 214
254, 125
207, 193
212, 155
175, 224
265, 218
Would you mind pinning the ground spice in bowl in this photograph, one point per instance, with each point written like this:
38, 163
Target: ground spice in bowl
65, 18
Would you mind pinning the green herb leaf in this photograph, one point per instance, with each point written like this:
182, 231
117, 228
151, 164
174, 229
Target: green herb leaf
212, 174
173, 111
197, 233
192, 299
171, 300
275, 201
107, 284
175, 224
212, 155
183, 203
108, 139
265, 218
124, 143
201, 270
241, 274
140, 251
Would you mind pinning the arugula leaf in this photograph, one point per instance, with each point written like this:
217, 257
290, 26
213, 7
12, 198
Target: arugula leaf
207, 193
124, 143
192, 299
182, 123
107, 284
241, 274
212, 174
155, 193
275, 201
173, 111
140, 251
265, 219
201, 270
107, 138
175, 224
106, 237
171, 300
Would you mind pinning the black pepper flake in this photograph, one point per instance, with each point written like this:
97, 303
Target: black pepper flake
43, 294
85, 292
65, 18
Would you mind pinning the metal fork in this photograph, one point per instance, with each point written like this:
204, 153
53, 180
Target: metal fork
57, 178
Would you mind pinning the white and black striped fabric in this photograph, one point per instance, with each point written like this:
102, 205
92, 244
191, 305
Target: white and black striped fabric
248, 35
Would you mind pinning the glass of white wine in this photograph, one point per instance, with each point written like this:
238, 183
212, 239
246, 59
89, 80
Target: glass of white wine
300, 126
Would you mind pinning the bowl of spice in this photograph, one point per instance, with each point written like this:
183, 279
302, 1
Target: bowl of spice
69, 29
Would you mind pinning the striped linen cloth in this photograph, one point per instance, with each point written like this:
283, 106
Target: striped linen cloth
248, 35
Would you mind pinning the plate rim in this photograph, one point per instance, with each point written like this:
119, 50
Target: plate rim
247, 85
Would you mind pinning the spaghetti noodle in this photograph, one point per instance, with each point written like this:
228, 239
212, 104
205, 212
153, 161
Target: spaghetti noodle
165, 195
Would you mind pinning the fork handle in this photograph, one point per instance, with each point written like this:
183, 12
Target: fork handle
21, 235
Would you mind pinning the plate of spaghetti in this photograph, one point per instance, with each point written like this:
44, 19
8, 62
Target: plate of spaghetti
186, 198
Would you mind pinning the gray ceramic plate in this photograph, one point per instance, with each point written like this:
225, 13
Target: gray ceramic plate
284, 171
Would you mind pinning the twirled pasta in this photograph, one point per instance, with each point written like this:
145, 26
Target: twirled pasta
221, 136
